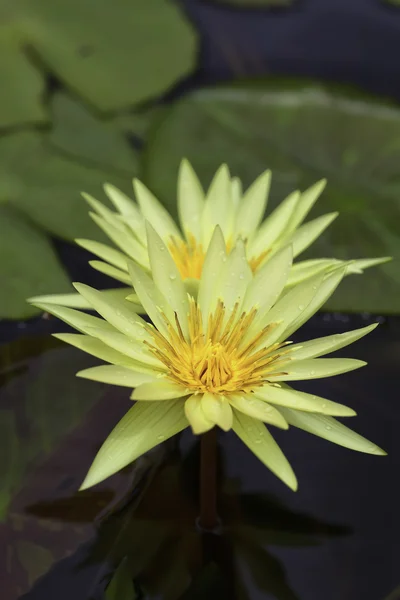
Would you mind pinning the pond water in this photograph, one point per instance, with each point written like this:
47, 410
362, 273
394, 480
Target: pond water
337, 537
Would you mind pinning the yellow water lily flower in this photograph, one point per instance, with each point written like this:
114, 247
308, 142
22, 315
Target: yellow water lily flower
220, 359
239, 215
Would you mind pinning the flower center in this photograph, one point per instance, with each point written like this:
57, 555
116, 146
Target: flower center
219, 358
189, 256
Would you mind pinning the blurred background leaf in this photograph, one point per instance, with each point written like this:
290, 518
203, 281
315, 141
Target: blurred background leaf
103, 51
46, 185
28, 265
21, 99
85, 137
303, 132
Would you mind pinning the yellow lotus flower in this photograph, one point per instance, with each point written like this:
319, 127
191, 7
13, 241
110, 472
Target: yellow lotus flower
240, 216
220, 358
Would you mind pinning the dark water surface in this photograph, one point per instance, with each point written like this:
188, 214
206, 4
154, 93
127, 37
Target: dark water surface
338, 537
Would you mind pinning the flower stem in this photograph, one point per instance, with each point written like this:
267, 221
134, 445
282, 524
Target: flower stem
208, 480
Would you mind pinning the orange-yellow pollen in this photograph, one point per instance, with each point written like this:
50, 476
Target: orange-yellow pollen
189, 256
219, 358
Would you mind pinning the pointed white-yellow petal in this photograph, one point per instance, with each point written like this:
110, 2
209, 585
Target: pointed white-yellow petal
328, 344
233, 280
128, 346
195, 415
79, 320
252, 206
217, 409
273, 226
324, 291
305, 269
314, 368
360, 264
268, 282
259, 440
96, 348
125, 205
305, 203
77, 301
162, 389
103, 211
154, 212
213, 265
110, 271
288, 308
258, 409
331, 430
237, 192
116, 375
190, 200
308, 233
167, 277
218, 208
110, 255
151, 298
286, 396
144, 426
129, 211
117, 311
127, 243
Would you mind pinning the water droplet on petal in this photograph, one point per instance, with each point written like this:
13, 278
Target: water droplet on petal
323, 405
301, 307
241, 276
161, 437
249, 429
312, 372
257, 441
328, 427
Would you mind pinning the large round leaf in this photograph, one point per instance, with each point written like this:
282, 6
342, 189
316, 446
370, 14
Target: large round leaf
303, 132
23, 86
46, 184
84, 136
112, 53
28, 265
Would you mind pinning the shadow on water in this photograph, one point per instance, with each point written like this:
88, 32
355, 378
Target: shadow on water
134, 536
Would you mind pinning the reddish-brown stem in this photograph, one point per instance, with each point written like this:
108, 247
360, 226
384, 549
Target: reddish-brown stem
208, 480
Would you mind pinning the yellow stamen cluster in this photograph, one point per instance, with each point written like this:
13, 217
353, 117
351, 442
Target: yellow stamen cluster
189, 256
216, 359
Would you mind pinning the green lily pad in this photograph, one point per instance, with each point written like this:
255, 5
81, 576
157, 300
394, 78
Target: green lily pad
28, 265
46, 184
113, 54
302, 131
103, 51
21, 97
84, 136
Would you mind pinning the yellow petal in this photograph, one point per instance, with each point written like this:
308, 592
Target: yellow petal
159, 390
195, 415
258, 409
217, 409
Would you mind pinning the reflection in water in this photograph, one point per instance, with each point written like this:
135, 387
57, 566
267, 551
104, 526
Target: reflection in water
155, 542
135, 536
